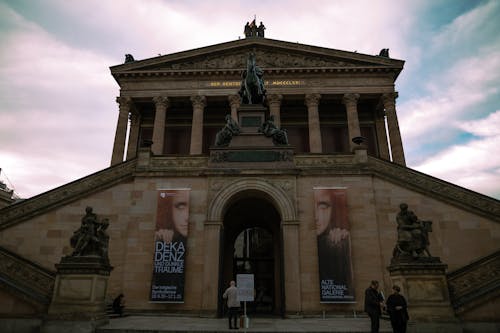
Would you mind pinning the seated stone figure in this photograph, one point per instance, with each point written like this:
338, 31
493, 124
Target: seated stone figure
224, 136
413, 235
269, 129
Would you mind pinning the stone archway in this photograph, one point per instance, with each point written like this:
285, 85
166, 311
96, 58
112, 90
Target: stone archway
284, 204
275, 194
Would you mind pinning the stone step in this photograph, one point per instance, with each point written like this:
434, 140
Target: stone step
161, 324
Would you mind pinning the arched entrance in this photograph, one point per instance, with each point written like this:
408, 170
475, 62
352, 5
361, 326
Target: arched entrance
252, 244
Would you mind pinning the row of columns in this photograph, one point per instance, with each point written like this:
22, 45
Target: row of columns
199, 103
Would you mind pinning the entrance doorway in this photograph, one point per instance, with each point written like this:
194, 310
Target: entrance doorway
251, 244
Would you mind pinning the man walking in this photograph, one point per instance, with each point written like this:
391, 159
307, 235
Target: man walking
231, 294
374, 302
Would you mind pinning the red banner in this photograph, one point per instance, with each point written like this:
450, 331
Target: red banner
334, 245
171, 234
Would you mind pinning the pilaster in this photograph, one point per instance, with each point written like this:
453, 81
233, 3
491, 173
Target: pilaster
312, 102
161, 104
291, 256
124, 104
351, 105
133, 138
274, 102
234, 102
199, 103
211, 234
383, 145
389, 101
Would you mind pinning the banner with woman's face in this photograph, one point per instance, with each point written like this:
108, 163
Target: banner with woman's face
334, 245
171, 232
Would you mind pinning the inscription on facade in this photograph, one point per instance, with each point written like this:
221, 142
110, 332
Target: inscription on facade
267, 83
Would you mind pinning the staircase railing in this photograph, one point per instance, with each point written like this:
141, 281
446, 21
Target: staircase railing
475, 283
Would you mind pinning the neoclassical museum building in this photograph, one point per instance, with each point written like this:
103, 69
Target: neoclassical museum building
301, 191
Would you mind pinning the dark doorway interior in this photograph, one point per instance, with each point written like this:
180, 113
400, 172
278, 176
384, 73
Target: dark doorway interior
252, 245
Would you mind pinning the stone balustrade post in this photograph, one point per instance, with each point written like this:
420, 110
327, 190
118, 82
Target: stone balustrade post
312, 102
199, 103
234, 103
351, 105
274, 102
125, 104
398, 155
133, 137
161, 104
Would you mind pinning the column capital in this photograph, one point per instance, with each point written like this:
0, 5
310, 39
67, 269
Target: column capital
198, 101
234, 100
274, 98
124, 101
312, 99
389, 99
350, 99
161, 101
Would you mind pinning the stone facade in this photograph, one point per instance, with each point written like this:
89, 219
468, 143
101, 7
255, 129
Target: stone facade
176, 101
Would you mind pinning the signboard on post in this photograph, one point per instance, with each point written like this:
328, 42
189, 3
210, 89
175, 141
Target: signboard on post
245, 285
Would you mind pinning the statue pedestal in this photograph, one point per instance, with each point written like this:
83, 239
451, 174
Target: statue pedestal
78, 300
251, 117
423, 283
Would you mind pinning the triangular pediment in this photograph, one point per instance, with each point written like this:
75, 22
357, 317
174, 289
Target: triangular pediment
270, 54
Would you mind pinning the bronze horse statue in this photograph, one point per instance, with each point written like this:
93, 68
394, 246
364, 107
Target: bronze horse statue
252, 86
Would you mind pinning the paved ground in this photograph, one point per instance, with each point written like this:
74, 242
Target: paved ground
151, 324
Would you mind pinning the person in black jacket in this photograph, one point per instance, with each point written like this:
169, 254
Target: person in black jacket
374, 302
398, 311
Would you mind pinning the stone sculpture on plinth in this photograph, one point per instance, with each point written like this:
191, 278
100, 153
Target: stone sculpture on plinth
421, 276
78, 300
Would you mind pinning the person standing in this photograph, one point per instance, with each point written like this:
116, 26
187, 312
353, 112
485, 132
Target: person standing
398, 310
374, 302
231, 294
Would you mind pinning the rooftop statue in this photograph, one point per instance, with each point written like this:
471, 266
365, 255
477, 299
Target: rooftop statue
252, 30
252, 89
413, 235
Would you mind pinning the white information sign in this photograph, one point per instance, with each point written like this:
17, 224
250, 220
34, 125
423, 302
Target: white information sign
244, 283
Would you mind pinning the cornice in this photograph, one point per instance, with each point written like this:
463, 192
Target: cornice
436, 188
65, 194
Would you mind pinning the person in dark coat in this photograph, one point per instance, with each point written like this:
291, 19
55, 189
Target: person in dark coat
398, 311
119, 304
374, 302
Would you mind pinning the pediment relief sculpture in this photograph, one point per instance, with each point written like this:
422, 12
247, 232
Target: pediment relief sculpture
266, 59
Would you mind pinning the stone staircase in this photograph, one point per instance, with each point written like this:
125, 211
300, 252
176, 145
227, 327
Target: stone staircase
475, 283
25, 279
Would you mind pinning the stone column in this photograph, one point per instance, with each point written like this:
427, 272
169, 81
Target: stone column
125, 104
351, 105
161, 103
312, 102
234, 102
383, 146
291, 255
133, 136
199, 103
274, 101
210, 287
398, 155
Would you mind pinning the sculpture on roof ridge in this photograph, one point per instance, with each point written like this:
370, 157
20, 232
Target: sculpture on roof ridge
252, 89
252, 30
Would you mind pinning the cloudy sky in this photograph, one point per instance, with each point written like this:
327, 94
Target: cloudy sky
57, 97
